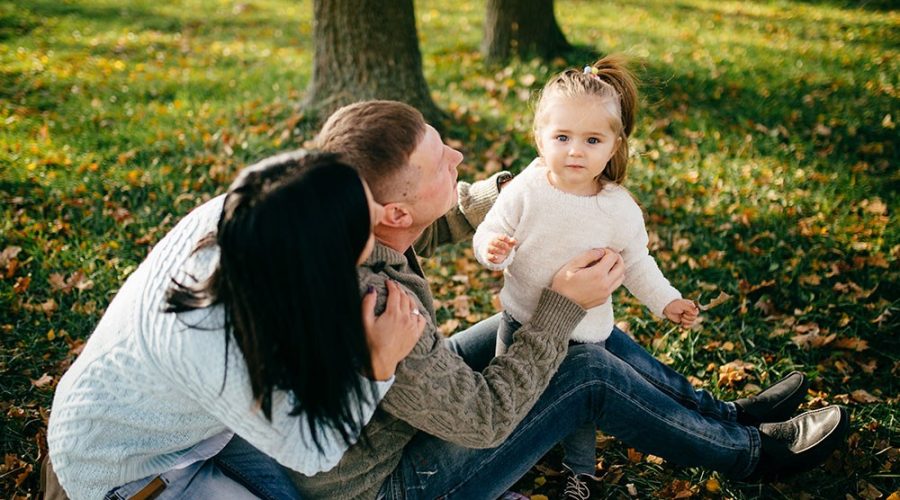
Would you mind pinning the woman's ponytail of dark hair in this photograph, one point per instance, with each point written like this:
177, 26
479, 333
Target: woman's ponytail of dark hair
291, 231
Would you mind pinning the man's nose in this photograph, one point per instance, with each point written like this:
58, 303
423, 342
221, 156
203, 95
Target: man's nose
457, 157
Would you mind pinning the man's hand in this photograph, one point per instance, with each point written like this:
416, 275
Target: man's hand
392, 335
499, 248
589, 279
682, 311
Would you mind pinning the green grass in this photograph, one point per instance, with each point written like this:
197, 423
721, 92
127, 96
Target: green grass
765, 157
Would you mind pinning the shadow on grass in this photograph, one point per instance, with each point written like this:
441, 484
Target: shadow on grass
874, 5
729, 104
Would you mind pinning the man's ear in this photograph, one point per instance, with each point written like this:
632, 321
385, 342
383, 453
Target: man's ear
396, 215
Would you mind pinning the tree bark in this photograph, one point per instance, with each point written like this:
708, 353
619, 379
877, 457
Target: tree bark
367, 49
522, 28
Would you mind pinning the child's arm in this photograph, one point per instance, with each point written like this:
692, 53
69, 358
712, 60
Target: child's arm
460, 222
493, 243
643, 278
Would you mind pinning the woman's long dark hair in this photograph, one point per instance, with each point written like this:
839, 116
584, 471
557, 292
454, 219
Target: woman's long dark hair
291, 231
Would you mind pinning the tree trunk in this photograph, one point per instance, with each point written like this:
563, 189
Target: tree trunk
522, 28
367, 49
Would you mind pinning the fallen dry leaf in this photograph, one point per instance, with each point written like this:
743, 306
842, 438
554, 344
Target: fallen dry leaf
461, 306
812, 340
862, 396
733, 372
852, 344
42, 381
719, 300
449, 327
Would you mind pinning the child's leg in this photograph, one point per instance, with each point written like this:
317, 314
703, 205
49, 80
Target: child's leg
476, 344
508, 327
667, 380
581, 450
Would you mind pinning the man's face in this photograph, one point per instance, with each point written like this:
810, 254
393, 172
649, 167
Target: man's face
434, 191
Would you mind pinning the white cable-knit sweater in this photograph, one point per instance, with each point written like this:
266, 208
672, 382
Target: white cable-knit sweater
551, 228
148, 388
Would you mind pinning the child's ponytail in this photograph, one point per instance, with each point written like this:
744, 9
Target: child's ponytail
614, 71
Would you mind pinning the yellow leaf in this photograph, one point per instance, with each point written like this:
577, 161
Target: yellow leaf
540, 481
449, 327
51, 334
713, 486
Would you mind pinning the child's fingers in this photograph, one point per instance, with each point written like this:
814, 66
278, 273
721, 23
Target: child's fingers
508, 240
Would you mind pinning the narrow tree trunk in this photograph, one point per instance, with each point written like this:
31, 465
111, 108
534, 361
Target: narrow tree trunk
522, 28
367, 49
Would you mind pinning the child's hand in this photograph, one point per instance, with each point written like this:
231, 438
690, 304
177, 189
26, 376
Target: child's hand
499, 248
682, 311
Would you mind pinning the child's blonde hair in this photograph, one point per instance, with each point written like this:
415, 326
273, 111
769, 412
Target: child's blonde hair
609, 79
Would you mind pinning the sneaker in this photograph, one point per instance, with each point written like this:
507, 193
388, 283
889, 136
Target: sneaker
576, 486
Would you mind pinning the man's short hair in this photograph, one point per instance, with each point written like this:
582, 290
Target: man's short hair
375, 137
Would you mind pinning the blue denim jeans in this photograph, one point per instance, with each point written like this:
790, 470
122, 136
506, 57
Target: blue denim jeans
618, 387
238, 472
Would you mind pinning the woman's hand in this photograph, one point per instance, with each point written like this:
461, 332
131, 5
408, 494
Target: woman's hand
392, 335
589, 279
682, 311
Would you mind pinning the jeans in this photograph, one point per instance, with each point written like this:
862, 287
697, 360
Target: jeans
618, 387
238, 472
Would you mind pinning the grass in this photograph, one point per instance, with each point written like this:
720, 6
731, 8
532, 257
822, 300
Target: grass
765, 157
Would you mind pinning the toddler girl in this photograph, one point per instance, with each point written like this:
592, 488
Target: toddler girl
568, 200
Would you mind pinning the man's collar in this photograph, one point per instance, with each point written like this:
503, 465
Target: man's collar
383, 255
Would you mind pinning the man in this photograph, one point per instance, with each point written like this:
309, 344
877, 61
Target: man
446, 429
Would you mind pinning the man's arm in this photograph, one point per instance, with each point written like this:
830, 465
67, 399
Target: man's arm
460, 222
436, 392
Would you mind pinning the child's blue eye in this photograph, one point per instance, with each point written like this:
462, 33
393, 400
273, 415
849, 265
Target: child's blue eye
593, 140
562, 138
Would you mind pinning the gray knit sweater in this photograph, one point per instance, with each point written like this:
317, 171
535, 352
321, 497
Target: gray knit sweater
436, 392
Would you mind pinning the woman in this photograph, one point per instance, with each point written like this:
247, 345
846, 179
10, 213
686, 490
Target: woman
242, 342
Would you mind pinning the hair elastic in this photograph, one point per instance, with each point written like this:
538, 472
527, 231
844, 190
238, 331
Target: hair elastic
592, 71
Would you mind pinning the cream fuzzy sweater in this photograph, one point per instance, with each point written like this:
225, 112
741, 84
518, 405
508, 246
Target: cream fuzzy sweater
551, 228
147, 393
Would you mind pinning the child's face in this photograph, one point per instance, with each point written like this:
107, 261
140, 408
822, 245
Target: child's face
576, 140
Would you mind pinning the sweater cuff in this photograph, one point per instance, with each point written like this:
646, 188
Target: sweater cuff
477, 198
664, 298
556, 313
